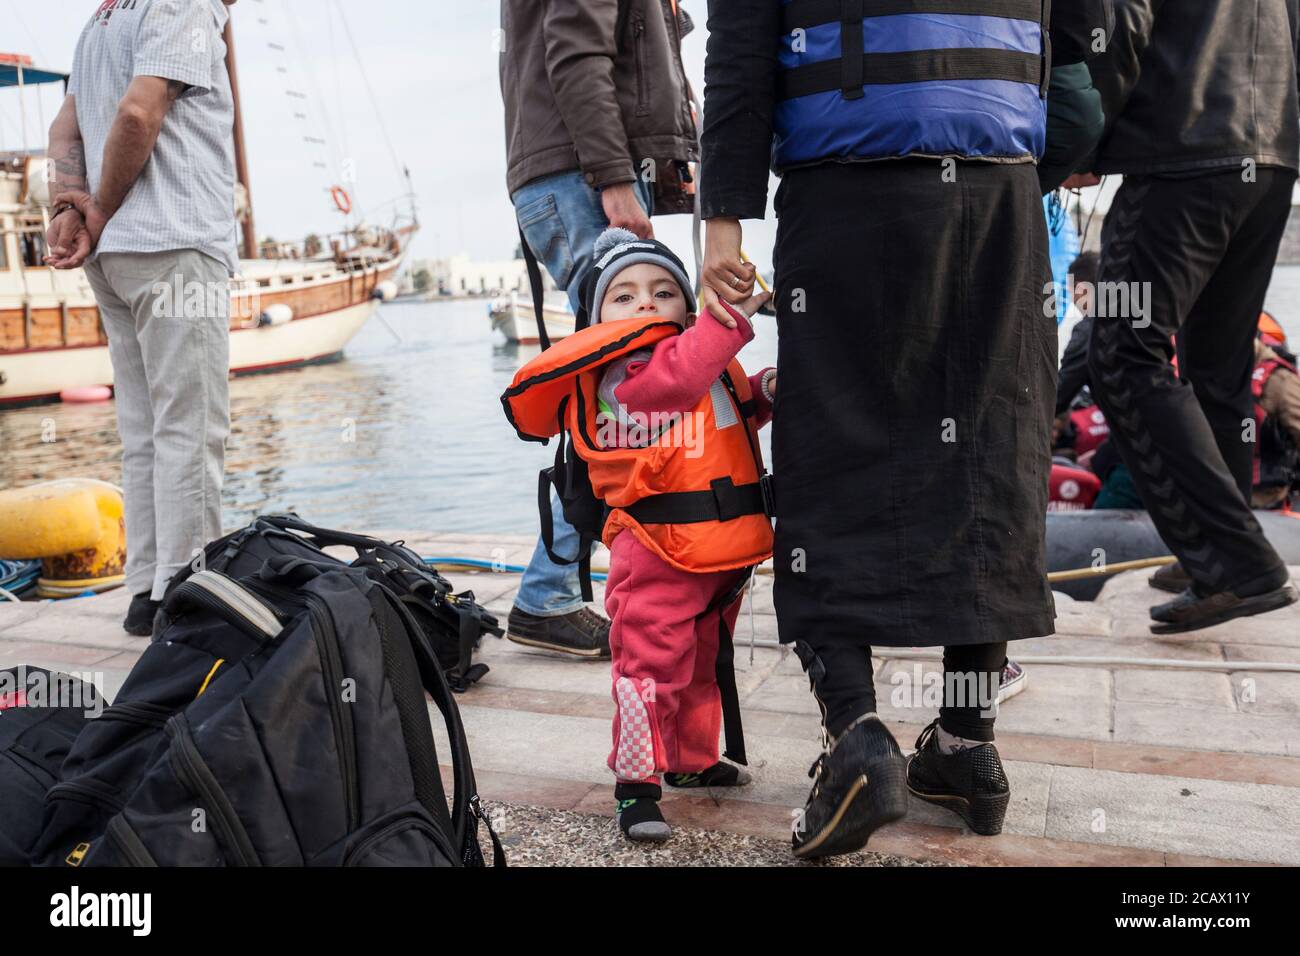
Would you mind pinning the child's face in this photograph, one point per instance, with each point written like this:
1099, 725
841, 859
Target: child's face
643, 289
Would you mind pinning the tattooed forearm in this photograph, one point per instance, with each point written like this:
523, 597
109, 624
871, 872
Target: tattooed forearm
66, 150
70, 168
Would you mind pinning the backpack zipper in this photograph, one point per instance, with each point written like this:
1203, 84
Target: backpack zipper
195, 774
409, 822
340, 714
84, 793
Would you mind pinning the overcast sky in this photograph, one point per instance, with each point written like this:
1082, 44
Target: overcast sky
433, 67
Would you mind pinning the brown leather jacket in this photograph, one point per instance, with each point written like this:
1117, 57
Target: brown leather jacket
596, 85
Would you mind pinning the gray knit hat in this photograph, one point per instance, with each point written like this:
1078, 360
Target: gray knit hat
614, 251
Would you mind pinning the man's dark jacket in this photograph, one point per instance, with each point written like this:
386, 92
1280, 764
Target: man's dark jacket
1191, 85
595, 85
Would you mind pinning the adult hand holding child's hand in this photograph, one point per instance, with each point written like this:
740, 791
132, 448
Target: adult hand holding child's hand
748, 308
726, 277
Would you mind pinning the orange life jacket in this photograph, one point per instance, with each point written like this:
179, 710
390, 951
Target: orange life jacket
696, 495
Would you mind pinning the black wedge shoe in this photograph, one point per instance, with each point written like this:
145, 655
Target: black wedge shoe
860, 785
970, 782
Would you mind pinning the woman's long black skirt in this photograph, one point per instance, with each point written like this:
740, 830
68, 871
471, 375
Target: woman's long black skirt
911, 440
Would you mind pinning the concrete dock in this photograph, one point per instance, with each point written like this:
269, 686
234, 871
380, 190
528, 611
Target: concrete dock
1123, 749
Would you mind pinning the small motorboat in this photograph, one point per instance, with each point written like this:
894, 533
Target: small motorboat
515, 317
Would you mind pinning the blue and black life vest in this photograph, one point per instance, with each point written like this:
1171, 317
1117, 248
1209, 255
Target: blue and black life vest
880, 79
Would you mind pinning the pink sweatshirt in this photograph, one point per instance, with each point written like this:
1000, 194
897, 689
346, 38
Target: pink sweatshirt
679, 371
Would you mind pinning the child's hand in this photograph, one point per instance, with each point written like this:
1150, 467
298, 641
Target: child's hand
749, 307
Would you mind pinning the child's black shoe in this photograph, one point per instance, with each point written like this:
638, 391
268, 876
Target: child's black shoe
638, 813
719, 775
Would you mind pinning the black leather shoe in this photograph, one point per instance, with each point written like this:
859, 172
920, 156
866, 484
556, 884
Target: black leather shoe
140, 615
1171, 578
582, 633
1191, 612
859, 787
970, 782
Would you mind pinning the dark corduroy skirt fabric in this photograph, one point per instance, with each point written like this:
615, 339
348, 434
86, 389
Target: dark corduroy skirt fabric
911, 439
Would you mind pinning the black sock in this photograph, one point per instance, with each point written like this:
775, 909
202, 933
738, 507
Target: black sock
638, 812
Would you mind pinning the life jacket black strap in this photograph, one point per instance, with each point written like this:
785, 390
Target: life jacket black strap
802, 14
918, 66
722, 502
733, 732
851, 49
725, 672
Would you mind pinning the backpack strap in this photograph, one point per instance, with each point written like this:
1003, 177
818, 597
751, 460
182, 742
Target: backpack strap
535, 282
323, 537
466, 811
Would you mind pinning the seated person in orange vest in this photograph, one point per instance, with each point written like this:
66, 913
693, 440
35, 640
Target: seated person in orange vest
1276, 388
666, 421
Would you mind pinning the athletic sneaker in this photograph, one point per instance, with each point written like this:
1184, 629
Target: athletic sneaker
719, 775
859, 786
1013, 680
140, 615
582, 633
970, 782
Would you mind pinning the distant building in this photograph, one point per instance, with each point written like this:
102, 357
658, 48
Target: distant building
460, 275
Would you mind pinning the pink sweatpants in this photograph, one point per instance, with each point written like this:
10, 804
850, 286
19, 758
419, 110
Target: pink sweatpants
664, 644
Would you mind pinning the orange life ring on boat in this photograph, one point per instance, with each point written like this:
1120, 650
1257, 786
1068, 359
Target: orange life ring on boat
341, 199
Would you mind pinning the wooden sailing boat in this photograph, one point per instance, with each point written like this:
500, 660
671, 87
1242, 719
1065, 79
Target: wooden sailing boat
292, 305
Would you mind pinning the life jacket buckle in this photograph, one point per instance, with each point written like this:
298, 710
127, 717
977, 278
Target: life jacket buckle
769, 495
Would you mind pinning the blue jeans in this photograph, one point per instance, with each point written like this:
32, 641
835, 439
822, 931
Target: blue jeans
560, 216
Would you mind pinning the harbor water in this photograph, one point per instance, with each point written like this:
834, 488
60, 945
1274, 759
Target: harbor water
398, 435
405, 434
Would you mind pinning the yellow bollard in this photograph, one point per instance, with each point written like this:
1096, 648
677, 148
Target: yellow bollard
75, 526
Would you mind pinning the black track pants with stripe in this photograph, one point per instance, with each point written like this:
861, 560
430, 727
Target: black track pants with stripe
1190, 257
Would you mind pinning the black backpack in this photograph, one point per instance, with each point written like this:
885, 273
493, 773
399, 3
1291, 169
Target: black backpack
278, 717
454, 623
41, 713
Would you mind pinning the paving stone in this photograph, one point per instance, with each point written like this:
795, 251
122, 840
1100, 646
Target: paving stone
13, 653
1241, 652
1178, 815
1205, 729
1082, 619
1198, 691
1268, 694
12, 615
1067, 645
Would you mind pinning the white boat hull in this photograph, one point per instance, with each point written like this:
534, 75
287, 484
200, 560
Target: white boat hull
29, 376
517, 321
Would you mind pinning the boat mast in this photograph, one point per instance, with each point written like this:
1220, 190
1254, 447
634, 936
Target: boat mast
241, 160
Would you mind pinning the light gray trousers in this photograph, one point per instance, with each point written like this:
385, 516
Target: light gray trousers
166, 316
